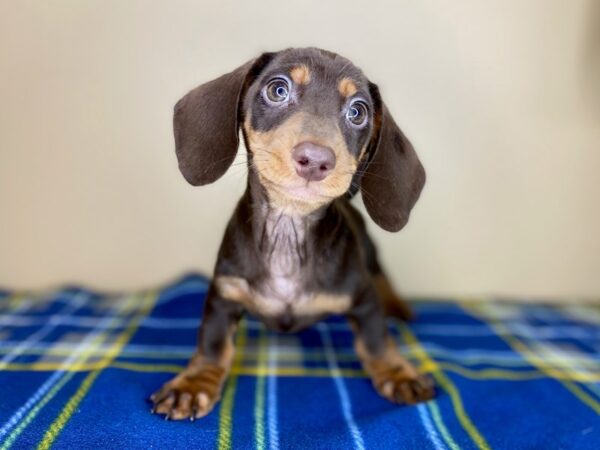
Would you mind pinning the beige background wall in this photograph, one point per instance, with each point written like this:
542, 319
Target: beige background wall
501, 99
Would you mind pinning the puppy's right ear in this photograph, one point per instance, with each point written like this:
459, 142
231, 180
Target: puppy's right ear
206, 123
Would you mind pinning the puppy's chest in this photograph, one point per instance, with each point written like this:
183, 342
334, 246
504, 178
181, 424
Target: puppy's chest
287, 284
284, 250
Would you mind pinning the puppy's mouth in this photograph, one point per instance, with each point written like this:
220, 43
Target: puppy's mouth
299, 189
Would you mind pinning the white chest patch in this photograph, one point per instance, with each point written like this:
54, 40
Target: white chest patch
285, 253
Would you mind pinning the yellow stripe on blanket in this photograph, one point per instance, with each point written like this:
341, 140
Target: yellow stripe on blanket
59, 423
449, 387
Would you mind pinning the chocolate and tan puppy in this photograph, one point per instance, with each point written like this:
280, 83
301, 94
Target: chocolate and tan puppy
295, 249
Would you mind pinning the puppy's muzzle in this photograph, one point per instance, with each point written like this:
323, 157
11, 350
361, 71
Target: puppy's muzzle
313, 162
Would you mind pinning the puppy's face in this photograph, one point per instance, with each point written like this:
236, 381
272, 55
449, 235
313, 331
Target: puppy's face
315, 128
307, 119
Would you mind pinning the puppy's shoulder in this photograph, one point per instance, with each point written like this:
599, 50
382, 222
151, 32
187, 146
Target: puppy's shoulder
351, 216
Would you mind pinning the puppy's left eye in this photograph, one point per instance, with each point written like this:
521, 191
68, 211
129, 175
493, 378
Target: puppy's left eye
357, 113
277, 91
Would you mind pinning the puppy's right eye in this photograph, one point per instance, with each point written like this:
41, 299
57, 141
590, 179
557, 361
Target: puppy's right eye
277, 91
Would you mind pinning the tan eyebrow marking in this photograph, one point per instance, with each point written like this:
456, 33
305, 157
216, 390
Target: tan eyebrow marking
347, 87
300, 74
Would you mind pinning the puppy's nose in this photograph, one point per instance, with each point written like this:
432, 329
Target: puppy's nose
313, 162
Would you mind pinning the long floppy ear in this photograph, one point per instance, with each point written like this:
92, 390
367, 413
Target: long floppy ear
206, 124
394, 176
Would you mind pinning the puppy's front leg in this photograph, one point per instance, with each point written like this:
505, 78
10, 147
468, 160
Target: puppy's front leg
195, 391
393, 376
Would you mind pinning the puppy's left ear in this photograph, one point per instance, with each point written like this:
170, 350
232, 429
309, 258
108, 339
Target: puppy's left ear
206, 123
394, 176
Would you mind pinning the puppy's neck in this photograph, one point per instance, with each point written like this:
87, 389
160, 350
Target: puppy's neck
281, 232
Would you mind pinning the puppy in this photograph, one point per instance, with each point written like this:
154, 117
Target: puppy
296, 250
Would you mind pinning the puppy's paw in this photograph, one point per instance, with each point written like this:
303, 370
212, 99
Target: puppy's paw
191, 394
397, 387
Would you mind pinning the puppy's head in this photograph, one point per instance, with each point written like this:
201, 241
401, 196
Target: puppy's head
315, 127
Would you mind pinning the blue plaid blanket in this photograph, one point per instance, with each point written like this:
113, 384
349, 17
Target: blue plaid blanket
76, 368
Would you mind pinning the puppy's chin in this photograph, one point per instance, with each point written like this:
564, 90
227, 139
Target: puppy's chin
299, 196
307, 193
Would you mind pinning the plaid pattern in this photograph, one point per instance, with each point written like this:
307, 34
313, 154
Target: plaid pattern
76, 368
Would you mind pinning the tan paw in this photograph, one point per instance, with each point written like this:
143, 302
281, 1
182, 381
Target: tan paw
191, 394
397, 387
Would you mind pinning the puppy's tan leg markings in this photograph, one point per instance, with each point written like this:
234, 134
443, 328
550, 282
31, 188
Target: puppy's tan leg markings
192, 394
393, 376
195, 391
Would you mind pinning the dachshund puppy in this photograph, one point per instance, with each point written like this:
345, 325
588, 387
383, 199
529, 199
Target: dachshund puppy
295, 249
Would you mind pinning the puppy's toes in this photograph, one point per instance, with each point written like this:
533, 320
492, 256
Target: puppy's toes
203, 404
192, 394
164, 404
400, 389
182, 408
